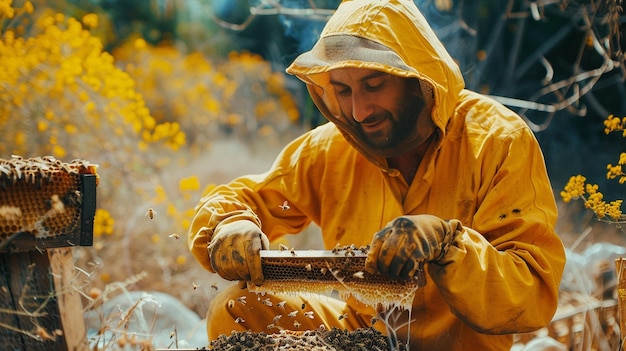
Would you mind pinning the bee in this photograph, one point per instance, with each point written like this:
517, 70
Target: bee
296, 324
151, 213
282, 304
516, 211
242, 300
359, 275
374, 320
502, 216
293, 251
175, 236
293, 314
56, 204
231, 303
308, 267
195, 286
343, 316
350, 251
272, 326
267, 302
239, 320
285, 206
276, 318
336, 249
309, 314
215, 287
303, 306
282, 247
172, 334
323, 270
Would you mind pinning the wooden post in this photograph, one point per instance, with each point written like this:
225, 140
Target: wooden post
40, 308
620, 270
68, 298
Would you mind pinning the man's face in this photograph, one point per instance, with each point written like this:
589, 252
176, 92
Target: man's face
385, 107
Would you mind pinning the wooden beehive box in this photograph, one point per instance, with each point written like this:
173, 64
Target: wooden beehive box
46, 208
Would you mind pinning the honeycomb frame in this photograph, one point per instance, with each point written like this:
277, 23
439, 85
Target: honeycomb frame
326, 271
46, 203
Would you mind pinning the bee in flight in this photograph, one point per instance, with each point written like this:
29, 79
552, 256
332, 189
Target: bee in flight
150, 213
285, 206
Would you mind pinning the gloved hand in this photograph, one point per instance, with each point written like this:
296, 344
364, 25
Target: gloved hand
399, 249
235, 251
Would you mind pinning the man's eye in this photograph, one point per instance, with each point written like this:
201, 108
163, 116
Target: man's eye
375, 86
344, 92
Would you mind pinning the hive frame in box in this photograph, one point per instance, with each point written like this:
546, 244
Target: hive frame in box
41, 306
21, 242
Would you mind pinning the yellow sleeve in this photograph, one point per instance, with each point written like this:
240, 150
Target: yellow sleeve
263, 199
505, 271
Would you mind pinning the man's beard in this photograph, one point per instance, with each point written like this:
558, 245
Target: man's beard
402, 127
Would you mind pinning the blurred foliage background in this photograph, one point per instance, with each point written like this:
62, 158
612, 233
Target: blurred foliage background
148, 89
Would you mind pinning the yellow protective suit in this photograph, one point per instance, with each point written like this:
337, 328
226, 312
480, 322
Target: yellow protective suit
501, 275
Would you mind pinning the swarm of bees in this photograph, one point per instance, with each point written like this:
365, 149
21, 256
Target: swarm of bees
350, 250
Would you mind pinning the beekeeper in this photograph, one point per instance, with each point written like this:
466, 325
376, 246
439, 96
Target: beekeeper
415, 166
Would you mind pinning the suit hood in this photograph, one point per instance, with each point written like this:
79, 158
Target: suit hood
384, 35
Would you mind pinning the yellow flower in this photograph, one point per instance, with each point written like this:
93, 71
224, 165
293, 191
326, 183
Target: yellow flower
140, 43
20, 138
70, 129
58, 151
574, 188
42, 126
596, 204
614, 210
161, 195
90, 20
6, 10
591, 188
28, 7
172, 211
103, 223
613, 123
185, 223
105, 277
189, 184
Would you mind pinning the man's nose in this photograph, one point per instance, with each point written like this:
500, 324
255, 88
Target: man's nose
361, 107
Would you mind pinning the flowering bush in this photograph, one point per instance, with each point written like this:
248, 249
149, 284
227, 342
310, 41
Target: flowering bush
142, 113
240, 96
578, 188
